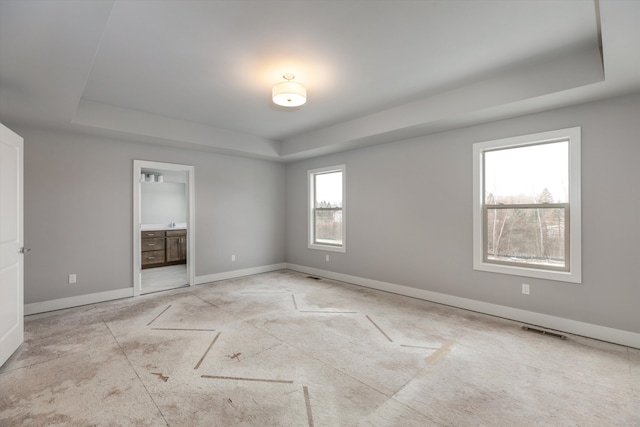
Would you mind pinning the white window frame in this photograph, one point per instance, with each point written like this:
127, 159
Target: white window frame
311, 208
574, 274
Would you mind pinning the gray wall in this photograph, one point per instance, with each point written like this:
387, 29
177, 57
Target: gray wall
78, 208
423, 189
78, 222
163, 203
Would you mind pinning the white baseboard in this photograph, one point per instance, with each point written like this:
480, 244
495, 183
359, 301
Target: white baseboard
239, 273
61, 303
603, 333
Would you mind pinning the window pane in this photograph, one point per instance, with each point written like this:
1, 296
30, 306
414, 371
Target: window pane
529, 235
530, 174
328, 191
328, 224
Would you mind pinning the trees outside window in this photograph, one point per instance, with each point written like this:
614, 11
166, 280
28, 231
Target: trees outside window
527, 220
326, 208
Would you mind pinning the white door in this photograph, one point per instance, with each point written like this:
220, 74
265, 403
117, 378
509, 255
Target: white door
11, 249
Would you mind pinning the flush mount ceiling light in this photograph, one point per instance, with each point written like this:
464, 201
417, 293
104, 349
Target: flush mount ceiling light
289, 93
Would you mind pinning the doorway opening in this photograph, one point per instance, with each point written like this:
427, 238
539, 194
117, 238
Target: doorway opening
163, 226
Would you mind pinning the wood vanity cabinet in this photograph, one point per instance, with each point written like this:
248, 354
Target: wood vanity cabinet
176, 246
152, 245
163, 247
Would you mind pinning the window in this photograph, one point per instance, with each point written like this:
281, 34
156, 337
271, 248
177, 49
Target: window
526, 215
327, 208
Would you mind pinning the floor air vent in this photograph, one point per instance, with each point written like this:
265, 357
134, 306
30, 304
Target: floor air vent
543, 332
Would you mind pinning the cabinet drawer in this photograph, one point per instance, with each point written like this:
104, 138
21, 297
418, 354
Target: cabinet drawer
152, 257
152, 233
176, 233
152, 244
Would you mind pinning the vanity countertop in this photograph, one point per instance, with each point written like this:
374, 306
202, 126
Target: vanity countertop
177, 226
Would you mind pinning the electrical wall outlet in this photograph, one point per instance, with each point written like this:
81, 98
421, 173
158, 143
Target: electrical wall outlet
72, 278
327, 258
525, 289
233, 258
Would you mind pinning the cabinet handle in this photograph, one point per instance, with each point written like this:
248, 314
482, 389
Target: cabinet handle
151, 244
151, 257
150, 234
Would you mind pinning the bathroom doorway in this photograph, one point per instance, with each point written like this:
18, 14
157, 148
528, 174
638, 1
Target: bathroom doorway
163, 224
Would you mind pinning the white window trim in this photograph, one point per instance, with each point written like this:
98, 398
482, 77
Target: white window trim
310, 205
574, 275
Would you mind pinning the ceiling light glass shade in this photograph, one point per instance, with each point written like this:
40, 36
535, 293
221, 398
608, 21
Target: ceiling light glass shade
289, 94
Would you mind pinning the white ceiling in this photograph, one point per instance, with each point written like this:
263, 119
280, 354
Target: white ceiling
198, 74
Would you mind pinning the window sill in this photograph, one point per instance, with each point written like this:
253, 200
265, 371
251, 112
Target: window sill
328, 248
560, 276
